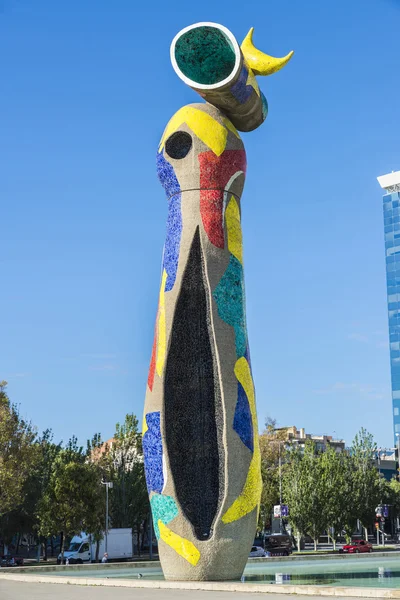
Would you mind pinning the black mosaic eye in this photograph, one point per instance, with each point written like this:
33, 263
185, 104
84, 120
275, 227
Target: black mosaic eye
178, 145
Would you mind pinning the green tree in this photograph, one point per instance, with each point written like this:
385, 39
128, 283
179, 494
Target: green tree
129, 503
73, 452
37, 483
73, 500
337, 486
24, 518
18, 453
295, 490
368, 486
272, 448
97, 453
94, 446
346, 498
305, 491
393, 495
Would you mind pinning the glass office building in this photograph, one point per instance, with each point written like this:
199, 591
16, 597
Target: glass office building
391, 214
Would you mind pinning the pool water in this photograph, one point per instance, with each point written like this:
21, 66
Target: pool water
368, 572
361, 572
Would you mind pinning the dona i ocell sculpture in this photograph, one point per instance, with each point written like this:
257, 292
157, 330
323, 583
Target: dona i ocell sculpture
200, 435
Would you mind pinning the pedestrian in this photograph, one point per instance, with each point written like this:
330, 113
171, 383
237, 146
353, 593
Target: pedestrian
105, 558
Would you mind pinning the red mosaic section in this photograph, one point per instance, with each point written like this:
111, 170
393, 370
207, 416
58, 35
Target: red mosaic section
150, 379
215, 173
211, 205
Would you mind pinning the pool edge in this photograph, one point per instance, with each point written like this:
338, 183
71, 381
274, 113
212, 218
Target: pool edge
304, 590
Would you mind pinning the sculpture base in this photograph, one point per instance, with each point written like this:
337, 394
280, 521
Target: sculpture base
216, 577
222, 572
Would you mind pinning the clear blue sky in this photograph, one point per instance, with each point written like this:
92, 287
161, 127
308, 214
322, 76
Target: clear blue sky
86, 90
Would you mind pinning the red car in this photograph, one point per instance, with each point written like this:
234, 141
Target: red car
356, 547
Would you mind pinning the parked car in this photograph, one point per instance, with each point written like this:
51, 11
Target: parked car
356, 547
278, 544
257, 551
11, 561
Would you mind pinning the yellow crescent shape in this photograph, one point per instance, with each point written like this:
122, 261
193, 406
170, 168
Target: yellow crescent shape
259, 62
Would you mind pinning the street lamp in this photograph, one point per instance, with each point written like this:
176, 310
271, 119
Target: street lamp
379, 460
108, 484
280, 489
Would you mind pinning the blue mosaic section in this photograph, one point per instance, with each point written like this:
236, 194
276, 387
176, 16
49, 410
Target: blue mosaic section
240, 90
172, 188
242, 422
166, 175
229, 296
264, 105
247, 355
152, 450
173, 240
163, 509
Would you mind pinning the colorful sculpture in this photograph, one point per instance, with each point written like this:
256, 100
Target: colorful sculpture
200, 435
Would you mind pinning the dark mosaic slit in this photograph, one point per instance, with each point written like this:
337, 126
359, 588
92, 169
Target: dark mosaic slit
178, 145
192, 402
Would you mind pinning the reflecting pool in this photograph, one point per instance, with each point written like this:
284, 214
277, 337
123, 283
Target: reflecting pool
368, 572
361, 572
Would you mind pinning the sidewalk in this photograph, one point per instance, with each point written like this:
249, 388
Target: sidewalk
10, 590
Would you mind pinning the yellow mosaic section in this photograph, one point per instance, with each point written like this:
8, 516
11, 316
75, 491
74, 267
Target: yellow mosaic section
259, 62
183, 547
231, 127
249, 499
251, 80
234, 230
208, 130
161, 329
144, 425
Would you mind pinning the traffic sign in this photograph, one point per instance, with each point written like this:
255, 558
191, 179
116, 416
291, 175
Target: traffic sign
284, 510
281, 510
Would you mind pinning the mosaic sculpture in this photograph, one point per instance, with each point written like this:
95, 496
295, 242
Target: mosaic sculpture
200, 435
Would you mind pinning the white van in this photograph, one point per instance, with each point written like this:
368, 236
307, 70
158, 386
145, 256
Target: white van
83, 549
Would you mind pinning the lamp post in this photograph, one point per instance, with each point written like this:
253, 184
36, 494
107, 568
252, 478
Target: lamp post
379, 460
108, 484
379, 471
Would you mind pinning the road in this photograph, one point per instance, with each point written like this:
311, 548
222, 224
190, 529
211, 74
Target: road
12, 590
